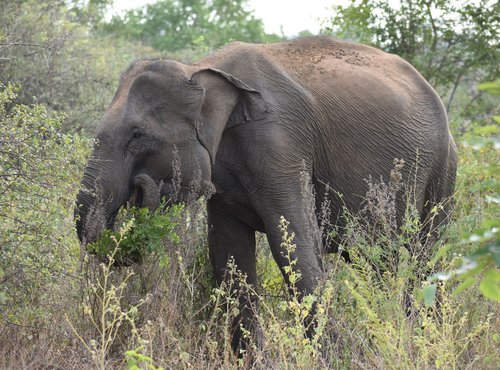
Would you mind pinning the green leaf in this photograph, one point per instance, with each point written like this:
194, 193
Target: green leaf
486, 130
440, 254
470, 268
491, 87
490, 285
429, 294
464, 285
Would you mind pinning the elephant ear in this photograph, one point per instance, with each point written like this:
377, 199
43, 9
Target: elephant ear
227, 102
164, 91
251, 105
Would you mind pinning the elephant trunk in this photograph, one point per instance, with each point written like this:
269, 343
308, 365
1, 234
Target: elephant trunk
84, 202
91, 217
92, 213
98, 201
103, 191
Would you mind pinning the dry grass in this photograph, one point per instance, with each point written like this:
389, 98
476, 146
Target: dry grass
166, 313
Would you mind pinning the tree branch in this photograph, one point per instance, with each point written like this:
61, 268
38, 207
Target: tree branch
455, 86
433, 26
27, 44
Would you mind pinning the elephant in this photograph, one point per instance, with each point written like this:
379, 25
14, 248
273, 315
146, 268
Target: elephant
256, 122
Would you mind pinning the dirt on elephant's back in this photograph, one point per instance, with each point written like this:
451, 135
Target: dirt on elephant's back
311, 60
307, 59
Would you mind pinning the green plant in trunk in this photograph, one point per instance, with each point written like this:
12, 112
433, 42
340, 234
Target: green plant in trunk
145, 235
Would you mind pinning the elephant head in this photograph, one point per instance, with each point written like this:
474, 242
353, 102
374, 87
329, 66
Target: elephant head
162, 112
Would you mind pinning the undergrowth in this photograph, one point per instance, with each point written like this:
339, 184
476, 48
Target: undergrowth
145, 297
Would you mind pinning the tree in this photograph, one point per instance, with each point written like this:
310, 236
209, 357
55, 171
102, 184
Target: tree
89, 12
48, 48
172, 25
447, 41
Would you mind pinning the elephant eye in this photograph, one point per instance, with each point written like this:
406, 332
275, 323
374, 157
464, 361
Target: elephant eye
136, 134
135, 140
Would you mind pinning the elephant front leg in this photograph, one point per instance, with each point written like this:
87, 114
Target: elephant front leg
302, 253
230, 238
300, 258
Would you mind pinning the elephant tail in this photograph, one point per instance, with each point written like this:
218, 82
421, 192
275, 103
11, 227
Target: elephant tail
438, 205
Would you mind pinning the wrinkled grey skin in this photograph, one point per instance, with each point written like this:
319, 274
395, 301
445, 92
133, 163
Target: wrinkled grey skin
253, 118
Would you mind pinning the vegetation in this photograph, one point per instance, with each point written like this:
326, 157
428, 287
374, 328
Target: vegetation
398, 304
180, 24
48, 53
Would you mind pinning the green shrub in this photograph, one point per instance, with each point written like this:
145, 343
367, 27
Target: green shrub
39, 171
144, 236
479, 195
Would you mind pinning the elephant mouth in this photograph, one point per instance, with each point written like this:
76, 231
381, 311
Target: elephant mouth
148, 193
145, 192
136, 198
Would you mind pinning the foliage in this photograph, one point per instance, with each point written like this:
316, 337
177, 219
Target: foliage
144, 235
59, 62
483, 263
89, 12
492, 88
107, 316
172, 25
39, 172
449, 42
137, 361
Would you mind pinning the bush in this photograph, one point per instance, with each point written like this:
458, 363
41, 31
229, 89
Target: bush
143, 237
479, 243
369, 311
39, 172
